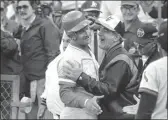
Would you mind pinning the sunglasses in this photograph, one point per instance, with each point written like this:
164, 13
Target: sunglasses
20, 7
1, 9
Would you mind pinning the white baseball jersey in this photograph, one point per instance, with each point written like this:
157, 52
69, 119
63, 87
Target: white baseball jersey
154, 81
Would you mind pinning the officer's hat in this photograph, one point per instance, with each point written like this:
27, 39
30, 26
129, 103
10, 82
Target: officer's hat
146, 33
132, 3
163, 35
91, 6
74, 21
112, 23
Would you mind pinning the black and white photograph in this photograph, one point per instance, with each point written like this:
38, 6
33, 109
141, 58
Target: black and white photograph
83, 59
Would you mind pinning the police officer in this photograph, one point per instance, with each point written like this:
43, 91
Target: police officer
131, 22
147, 45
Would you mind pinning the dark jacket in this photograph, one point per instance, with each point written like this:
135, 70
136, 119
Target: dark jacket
39, 46
10, 60
112, 85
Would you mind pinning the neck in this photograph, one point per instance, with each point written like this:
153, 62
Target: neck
28, 21
83, 47
112, 46
129, 22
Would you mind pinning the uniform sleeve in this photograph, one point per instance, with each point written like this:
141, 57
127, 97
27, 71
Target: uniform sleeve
69, 96
117, 77
146, 106
149, 83
51, 38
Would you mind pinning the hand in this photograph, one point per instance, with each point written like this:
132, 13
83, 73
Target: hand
41, 111
132, 109
71, 71
93, 106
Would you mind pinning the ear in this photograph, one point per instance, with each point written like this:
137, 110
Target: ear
74, 36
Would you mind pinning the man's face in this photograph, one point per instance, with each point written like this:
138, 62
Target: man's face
129, 12
83, 36
145, 49
106, 38
94, 14
25, 10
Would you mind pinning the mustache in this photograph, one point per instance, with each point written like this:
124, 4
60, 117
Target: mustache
22, 13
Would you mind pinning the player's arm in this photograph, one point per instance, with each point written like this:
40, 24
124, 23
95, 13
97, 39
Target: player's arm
146, 106
69, 96
149, 93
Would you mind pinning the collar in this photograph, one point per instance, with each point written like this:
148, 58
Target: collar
113, 49
28, 23
134, 26
70, 45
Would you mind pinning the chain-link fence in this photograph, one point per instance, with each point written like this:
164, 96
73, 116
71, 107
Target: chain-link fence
6, 96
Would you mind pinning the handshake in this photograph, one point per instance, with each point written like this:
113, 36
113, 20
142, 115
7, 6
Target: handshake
93, 105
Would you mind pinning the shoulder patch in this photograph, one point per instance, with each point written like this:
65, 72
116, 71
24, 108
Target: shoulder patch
140, 32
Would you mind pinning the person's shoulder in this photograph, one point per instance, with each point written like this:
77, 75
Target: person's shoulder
160, 62
156, 65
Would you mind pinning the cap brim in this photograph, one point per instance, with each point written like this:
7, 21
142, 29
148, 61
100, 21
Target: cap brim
91, 9
102, 22
143, 41
133, 4
80, 26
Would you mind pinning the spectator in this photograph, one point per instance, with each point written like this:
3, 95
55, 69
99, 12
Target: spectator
117, 74
39, 46
110, 8
10, 60
152, 8
76, 27
57, 15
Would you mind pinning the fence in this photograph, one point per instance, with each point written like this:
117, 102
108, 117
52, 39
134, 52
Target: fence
9, 96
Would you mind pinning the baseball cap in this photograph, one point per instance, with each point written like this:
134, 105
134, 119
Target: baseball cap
162, 39
74, 21
146, 33
112, 23
91, 6
132, 3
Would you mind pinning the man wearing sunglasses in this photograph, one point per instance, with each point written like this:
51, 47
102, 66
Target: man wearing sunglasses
39, 46
130, 11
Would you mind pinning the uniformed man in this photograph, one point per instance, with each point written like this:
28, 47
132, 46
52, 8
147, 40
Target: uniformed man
147, 45
153, 87
131, 22
91, 9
